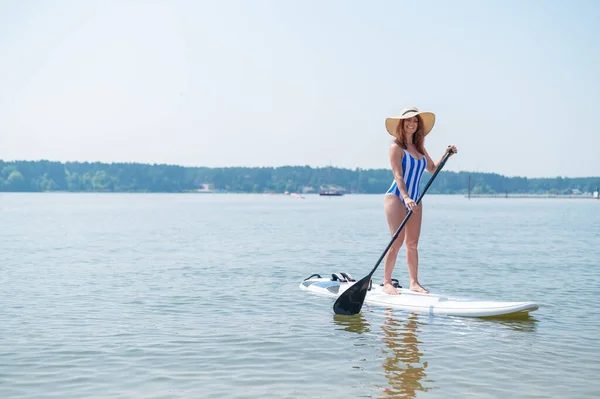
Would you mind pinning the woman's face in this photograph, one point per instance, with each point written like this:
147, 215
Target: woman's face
411, 125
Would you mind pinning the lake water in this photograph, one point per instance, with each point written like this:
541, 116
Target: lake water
196, 296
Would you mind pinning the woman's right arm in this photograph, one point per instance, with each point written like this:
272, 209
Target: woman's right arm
396, 155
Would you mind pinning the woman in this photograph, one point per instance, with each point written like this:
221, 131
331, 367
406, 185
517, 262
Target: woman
408, 159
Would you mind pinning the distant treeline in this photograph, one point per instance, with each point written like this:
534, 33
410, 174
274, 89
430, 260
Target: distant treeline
36, 176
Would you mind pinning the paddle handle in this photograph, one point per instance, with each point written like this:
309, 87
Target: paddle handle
410, 212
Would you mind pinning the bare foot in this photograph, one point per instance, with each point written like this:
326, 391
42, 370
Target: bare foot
418, 288
388, 288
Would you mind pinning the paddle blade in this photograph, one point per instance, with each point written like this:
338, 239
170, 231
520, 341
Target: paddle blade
350, 301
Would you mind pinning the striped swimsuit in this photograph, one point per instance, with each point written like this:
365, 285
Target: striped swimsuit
412, 170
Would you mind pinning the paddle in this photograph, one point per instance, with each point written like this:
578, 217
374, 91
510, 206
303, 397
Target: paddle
350, 301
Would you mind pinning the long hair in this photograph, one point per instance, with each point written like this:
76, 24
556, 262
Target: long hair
418, 138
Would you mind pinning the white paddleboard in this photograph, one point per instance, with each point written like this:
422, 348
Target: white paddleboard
411, 301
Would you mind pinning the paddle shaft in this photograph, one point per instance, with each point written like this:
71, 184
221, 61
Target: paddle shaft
410, 212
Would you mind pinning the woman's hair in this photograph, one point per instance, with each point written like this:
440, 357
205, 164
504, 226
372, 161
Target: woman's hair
418, 137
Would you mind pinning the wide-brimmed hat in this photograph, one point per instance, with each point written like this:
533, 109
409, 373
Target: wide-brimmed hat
427, 119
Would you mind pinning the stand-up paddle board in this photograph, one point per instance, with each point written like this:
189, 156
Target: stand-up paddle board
411, 301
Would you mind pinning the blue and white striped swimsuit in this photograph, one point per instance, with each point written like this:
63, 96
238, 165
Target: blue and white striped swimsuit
412, 171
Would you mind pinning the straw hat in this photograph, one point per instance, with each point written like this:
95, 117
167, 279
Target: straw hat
427, 119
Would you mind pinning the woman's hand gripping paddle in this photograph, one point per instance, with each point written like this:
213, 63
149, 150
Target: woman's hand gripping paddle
350, 301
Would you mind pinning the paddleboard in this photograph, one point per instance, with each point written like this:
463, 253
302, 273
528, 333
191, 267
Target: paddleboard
432, 304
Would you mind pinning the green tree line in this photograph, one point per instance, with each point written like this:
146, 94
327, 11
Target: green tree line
38, 176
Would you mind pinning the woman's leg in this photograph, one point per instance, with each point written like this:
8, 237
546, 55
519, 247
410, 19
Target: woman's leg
413, 232
395, 212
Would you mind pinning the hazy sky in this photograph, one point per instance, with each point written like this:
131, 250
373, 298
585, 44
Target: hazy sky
514, 84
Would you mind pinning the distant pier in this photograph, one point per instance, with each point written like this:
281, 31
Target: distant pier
576, 194
516, 195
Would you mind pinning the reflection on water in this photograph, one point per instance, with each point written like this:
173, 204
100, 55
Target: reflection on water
397, 337
528, 324
402, 364
356, 324
519, 323
403, 367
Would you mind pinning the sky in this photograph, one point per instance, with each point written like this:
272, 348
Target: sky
514, 84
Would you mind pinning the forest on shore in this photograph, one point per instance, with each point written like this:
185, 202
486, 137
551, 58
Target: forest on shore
40, 176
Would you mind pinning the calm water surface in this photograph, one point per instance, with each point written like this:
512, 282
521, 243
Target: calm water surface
196, 296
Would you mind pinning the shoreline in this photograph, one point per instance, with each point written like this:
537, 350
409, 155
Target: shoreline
202, 192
